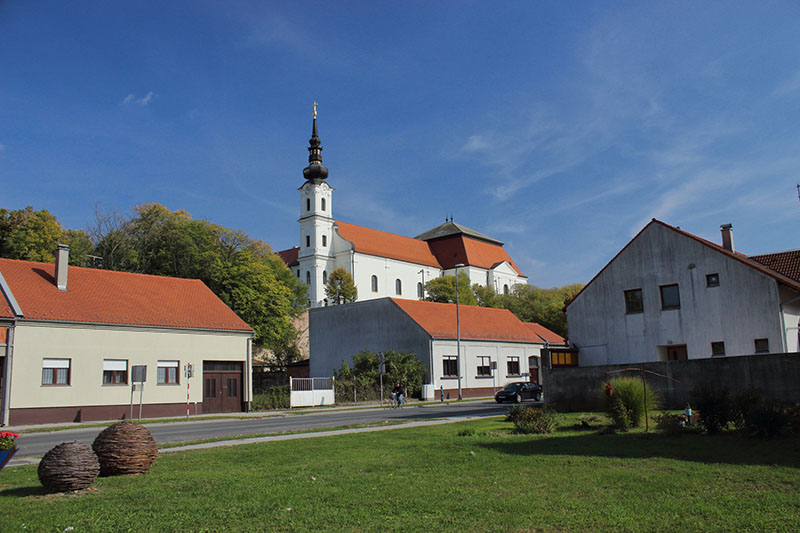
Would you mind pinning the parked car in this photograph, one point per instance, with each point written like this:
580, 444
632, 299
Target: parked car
518, 391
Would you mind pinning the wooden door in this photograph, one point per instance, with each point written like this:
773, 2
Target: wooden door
222, 387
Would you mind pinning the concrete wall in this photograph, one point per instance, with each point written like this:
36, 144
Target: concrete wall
87, 346
776, 375
744, 307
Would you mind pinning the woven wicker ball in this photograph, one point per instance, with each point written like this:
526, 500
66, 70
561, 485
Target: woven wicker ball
68, 466
125, 448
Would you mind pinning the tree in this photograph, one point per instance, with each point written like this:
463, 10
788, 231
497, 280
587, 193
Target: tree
444, 290
29, 235
485, 296
80, 247
400, 367
340, 287
545, 306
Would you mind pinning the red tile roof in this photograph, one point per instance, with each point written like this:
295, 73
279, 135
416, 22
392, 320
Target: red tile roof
108, 297
290, 256
477, 323
778, 276
786, 263
545, 334
382, 244
3, 335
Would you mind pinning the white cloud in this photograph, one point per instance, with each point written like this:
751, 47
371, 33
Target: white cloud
131, 99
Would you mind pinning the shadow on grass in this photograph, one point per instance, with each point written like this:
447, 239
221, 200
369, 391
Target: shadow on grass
729, 449
23, 492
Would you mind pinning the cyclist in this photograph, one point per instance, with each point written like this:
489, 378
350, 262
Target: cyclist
397, 394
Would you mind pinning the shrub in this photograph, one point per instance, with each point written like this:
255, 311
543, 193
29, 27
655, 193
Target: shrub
271, 398
514, 413
671, 424
533, 420
618, 414
713, 406
741, 405
631, 392
768, 422
467, 431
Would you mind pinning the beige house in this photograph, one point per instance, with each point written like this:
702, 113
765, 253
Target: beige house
71, 339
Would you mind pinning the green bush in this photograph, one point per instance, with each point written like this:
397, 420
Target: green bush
271, 398
533, 420
514, 413
671, 424
767, 422
714, 407
618, 414
631, 393
467, 431
741, 405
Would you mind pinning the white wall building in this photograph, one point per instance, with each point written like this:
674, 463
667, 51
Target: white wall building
385, 264
670, 295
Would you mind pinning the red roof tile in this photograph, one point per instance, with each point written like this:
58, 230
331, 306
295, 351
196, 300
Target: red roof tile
545, 334
786, 263
109, 297
290, 256
382, 244
3, 335
477, 323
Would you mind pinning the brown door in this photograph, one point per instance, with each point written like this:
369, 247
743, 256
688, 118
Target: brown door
676, 352
222, 387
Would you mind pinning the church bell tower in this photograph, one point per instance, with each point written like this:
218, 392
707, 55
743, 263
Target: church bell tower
315, 257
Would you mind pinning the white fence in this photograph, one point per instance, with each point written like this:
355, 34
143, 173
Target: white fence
307, 392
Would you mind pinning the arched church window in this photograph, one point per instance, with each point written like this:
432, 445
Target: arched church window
308, 204
324, 240
505, 289
308, 277
398, 287
298, 273
324, 276
374, 283
419, 290
323, 204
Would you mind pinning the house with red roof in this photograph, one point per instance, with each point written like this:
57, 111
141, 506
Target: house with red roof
385, 264
670, 295
481, 348
72, 337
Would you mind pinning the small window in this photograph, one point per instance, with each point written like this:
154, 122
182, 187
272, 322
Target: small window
167, 373
398, 287
115, 372
420, 293
505, 289
633, 301
298, 272
717, 348
374, 283
324, 276
484, 366
712, 280
561, 359
323, 204
762, 345
670, 297
512, 365
324, 240
308, 204
56, 371
308, 277
450, 366
308, 241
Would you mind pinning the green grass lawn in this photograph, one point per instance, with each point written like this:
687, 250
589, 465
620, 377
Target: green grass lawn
431, 479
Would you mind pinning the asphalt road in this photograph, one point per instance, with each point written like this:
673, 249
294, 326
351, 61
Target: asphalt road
37, 444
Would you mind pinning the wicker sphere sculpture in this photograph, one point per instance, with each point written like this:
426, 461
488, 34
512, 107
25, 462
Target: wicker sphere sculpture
68, 466
125, 448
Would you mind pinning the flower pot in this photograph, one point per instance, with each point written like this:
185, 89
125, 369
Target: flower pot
5, 456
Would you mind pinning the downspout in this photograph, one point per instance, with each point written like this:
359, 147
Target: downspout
430, 369
249, 376
784, 338
7, 374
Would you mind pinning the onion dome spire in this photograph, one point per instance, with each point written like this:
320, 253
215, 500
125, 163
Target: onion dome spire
315, 171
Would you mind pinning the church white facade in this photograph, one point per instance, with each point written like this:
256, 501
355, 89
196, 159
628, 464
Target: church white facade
385, 264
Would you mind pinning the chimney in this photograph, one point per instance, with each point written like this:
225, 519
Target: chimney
727, 236
62, 263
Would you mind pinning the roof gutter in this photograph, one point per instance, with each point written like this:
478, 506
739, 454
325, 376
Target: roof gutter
15, 308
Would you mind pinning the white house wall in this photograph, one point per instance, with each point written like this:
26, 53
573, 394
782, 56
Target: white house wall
388, 270
744, 307
88, 346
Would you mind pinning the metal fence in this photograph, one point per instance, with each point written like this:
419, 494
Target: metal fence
307, 392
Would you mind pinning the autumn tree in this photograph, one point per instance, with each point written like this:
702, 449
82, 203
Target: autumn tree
340, 287
29, 235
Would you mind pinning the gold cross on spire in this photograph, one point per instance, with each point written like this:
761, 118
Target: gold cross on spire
315, 110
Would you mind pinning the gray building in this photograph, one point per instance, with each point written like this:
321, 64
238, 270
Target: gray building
670, 295
430, 330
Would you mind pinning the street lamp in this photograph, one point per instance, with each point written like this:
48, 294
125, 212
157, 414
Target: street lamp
458, 334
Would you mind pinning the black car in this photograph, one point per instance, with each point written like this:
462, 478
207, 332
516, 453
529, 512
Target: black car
518, 391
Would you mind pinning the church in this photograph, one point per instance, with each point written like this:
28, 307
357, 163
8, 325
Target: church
385, 264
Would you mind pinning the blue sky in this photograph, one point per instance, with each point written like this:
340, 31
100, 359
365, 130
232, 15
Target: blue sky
560, 128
